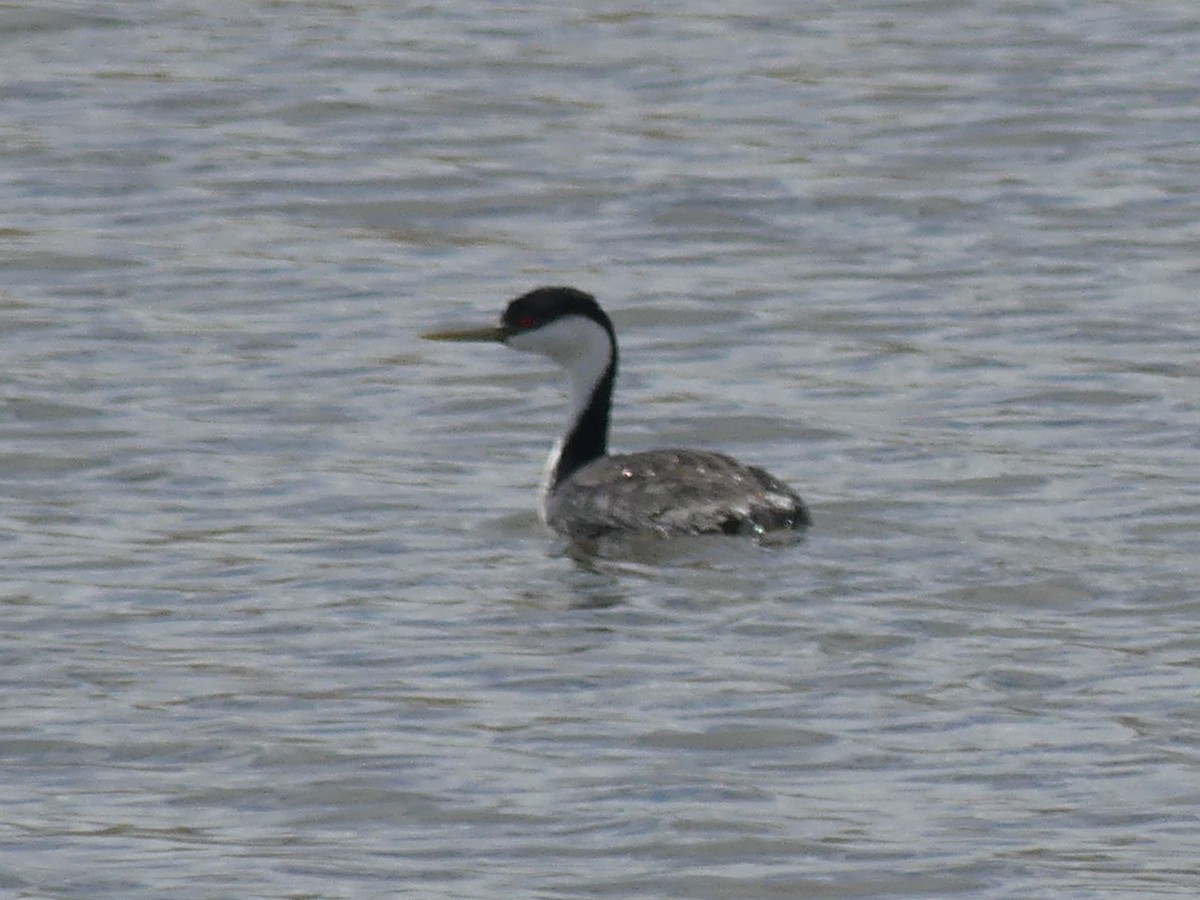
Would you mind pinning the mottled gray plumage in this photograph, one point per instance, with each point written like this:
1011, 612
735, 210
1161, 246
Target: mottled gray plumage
667, 492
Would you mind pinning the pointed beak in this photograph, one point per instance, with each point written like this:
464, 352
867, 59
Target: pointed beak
473, 335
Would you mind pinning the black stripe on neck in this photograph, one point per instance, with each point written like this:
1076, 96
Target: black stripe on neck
588, 438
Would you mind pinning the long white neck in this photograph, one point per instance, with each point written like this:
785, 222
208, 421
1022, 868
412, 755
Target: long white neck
588, 353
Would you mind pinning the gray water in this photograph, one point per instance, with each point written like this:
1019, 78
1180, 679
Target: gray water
278, 618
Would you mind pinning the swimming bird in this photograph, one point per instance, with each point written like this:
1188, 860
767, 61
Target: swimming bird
587, 493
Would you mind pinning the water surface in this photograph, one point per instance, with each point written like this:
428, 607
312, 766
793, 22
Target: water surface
278, 619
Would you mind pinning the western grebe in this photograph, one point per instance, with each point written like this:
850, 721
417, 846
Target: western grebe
588, 494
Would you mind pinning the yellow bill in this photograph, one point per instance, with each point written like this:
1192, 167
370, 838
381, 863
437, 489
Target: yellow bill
468, 334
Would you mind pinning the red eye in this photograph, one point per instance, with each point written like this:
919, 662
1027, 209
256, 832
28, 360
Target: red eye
525, 322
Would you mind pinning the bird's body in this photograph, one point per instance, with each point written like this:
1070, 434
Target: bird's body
589, 494
671, 492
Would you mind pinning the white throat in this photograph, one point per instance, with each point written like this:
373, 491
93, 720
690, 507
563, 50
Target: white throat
584, 349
